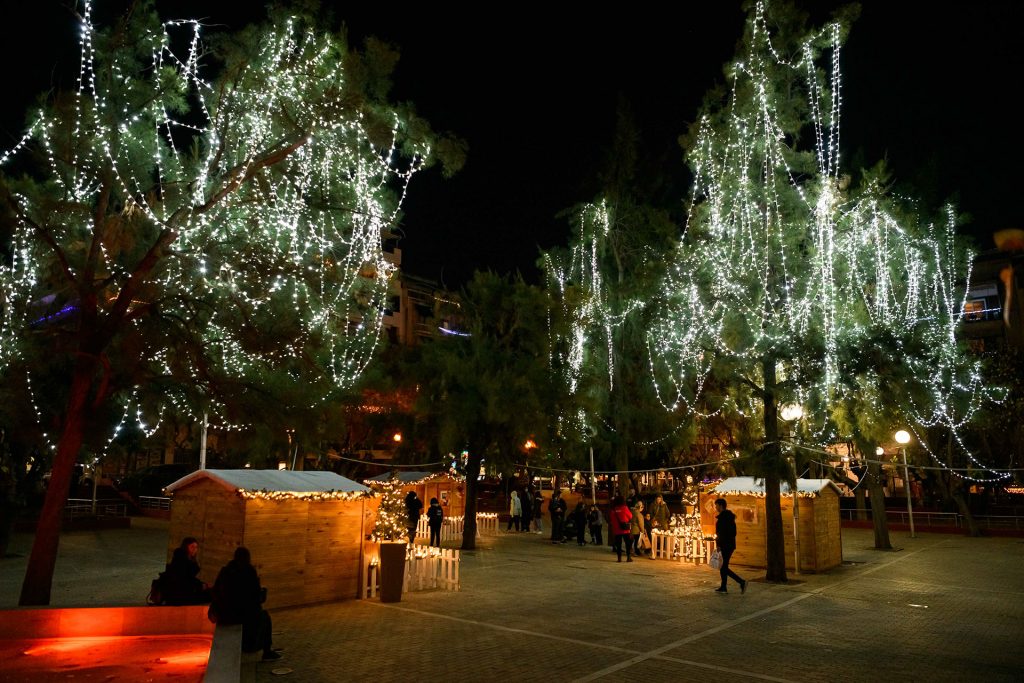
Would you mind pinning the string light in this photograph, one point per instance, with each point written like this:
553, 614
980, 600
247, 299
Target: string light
307, 496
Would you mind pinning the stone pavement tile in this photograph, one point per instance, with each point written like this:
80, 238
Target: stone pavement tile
109, 567
348, 641
666, 671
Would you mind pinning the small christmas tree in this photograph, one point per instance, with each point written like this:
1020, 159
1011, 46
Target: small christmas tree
391, 516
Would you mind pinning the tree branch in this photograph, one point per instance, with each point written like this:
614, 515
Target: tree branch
44, 235
237, 178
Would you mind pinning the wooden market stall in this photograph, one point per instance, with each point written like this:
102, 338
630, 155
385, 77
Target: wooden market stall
821, 543
305, 530
450, 491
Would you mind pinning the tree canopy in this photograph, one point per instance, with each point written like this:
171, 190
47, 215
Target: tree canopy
204, 211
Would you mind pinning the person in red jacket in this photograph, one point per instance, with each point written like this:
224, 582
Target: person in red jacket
618, 519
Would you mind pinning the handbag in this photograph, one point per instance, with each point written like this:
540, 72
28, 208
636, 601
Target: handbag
155, 596
715, 561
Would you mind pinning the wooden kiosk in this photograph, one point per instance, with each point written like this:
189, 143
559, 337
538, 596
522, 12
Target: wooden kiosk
450, 491
305, 529
821, 543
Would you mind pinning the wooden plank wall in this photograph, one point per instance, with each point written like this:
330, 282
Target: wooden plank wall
213, 514
820, 537
456, 499
306, 552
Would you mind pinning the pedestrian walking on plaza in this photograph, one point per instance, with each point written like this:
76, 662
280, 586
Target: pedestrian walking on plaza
725, 530
238, 599
596, 520
619, 518
515, 512
526, 502
180, 584
413, 507
538, 512
435, 517
557, 509
579, 520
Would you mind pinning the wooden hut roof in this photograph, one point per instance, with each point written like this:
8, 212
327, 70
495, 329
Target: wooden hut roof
751, 486
278, 481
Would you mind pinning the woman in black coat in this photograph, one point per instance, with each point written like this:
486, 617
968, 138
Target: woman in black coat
180, 584
238, 599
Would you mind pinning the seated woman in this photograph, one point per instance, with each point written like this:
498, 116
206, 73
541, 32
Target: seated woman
180, 584
238, 599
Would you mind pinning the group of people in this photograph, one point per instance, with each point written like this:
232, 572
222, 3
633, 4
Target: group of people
236, 597
435, 518
526, 509
630, 526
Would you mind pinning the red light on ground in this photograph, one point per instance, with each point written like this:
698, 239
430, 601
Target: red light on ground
182, 658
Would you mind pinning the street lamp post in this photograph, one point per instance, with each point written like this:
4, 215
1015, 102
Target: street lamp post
903, 438
791, 412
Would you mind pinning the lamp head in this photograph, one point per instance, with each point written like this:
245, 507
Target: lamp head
902, 437
791, 412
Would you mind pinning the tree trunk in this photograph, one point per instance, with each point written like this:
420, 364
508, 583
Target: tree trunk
877, 498
35, 590
775, 551
956, 492
861, 503
472, 476
965, 511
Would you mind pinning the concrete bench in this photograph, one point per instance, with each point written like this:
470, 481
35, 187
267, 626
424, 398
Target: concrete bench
225, 664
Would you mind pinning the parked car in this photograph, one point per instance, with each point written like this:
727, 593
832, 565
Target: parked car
150, 481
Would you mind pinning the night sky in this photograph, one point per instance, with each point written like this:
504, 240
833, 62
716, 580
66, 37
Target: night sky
927, 85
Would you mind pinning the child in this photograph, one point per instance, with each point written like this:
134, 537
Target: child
596, 521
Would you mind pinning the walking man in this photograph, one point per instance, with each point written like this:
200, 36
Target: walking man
725, 529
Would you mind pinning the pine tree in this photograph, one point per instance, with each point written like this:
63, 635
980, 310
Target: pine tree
784, 268
604, 291
204, 224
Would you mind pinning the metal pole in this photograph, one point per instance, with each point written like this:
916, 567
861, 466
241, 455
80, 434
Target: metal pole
593, 478
202, 442
796, 522
95, 482
906, 483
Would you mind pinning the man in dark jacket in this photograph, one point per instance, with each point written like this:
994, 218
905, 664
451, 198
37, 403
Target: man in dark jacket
413, 509
526, 499
238, 599
557, 508
725, 530
435, 518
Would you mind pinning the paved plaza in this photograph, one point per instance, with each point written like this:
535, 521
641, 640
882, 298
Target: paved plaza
940, 608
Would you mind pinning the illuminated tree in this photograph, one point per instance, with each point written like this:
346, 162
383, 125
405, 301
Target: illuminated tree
202, 226
392, 517
783, 266
603, 291
485, 387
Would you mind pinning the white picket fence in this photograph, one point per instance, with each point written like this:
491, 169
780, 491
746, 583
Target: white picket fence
425, 569
683, 541
452, 528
